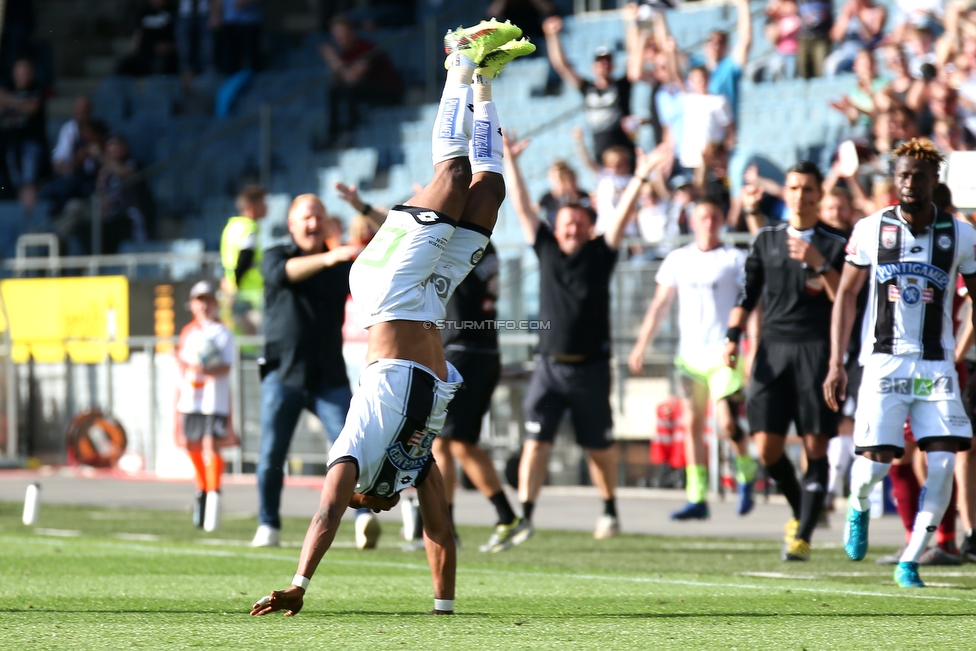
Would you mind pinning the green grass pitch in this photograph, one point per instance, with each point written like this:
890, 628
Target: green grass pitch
87, 578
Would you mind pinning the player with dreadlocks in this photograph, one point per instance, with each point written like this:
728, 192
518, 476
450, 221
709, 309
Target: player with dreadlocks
913, 252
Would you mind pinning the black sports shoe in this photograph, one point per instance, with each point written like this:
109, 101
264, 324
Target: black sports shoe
199, 509
967, 551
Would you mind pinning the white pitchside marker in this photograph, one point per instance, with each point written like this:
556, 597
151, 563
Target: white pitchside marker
32, 503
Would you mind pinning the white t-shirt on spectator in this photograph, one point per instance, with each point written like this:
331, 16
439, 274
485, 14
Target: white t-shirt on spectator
609, 189
705, 119
967, 91
708, 284
914, 11
658, 225
205, 394
68, 137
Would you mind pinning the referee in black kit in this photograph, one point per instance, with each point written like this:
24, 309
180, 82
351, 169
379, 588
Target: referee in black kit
573, 370
794, 268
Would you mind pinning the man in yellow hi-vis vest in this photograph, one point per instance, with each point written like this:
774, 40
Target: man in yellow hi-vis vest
240, 255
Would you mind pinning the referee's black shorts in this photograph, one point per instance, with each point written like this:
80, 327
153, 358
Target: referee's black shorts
481, 371
787, 386
583, 388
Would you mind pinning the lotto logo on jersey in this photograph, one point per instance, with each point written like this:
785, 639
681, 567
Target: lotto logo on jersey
426, 217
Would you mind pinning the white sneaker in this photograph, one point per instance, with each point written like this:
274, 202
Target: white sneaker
266, 536
367, 530
606, 527
211, 513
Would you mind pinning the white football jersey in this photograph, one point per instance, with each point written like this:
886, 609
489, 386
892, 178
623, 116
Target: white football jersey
411, 267
909, 310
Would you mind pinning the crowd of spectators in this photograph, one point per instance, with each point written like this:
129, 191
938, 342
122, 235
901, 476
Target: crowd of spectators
914, 74
194, 37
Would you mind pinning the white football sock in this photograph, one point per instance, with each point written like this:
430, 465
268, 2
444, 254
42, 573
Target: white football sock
482, 88
864, 475
840, 454
486, 139
461, 70
932, 503
452, 128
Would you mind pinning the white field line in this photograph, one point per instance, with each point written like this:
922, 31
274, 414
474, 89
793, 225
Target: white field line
341, 544
567, 577
63, 533
817, 575
140, 537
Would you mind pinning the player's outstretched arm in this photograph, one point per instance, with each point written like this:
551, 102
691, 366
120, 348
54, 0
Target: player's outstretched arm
339, 485
350, 194
646, 164
841, 323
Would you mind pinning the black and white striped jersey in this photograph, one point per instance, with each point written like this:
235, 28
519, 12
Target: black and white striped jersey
913, 277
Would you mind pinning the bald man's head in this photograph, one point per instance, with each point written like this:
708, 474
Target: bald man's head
306, 223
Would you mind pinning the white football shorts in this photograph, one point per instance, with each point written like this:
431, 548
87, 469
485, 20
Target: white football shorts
411, 267
395, 414
893, 387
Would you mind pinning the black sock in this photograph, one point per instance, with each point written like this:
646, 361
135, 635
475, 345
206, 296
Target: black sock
737, 432
505, 513
811, 502
418, 527
784, 475
610, 507
527, 508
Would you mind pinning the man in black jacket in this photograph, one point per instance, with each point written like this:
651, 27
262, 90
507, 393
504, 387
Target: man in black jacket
305, 290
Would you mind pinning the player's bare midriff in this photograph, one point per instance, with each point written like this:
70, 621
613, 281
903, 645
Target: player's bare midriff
414, 341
